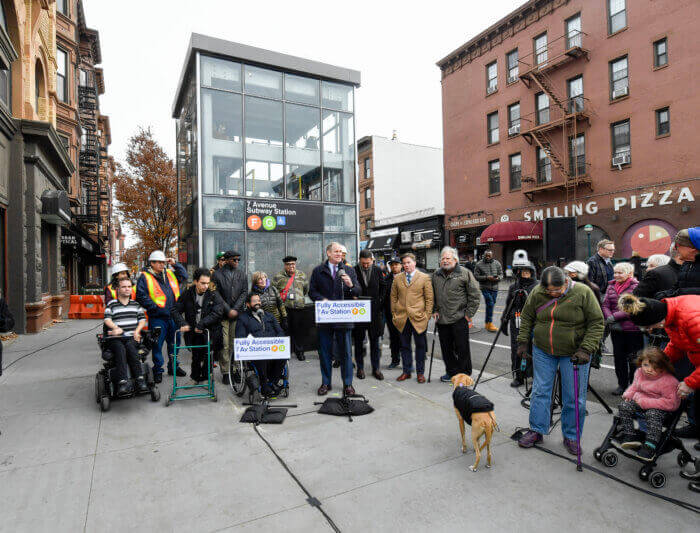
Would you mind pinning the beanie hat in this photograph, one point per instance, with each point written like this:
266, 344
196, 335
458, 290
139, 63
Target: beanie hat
688, 237
643, 311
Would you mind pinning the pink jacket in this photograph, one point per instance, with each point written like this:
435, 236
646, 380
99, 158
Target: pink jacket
653, 393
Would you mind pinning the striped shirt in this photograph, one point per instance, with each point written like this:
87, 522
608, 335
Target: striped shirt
127, 317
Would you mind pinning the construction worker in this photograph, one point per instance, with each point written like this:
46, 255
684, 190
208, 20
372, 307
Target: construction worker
157, 290
119, 272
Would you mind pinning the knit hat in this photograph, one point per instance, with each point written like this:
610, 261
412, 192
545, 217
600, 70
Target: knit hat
643, 311
688, 237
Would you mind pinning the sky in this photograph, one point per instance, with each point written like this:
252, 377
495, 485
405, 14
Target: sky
394, 45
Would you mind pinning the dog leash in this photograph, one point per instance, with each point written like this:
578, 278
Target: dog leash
494, 377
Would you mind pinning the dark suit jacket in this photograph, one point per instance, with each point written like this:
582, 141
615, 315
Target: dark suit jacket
657, 280
322, 286
376, 290
247, 324
212, 311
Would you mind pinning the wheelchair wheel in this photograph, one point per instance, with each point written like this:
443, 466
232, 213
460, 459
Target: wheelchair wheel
236, 376
105, 403
657, 480
610, 459
99, 387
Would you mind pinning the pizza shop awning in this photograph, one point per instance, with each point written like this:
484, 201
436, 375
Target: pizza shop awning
381, 244
512, 231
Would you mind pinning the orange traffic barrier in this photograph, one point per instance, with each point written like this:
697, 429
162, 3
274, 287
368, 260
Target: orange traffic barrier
84, 306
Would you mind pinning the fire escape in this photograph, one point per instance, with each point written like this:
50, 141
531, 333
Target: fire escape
563, 116
89, 161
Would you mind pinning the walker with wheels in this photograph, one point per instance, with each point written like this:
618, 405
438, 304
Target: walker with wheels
208, 386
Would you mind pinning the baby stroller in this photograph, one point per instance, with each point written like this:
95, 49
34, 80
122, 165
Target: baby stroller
607, 452
105, 380
244, 376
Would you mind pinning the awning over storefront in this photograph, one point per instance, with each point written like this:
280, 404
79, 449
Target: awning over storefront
381, 244
512, 231
55, 207
423, 244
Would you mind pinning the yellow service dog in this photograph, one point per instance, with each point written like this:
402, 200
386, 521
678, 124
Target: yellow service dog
482, 424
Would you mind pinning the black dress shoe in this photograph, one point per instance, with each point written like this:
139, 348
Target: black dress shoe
124, 388
180, 372
694, 486
378, 375
301, 357
360, 374
157, 377
618, 391
336, 364
394, 364
141, 386
695, 476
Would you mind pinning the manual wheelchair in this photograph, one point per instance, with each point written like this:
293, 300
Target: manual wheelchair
105, 380
244, 377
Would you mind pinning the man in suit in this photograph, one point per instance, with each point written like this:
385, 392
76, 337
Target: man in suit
395, 269
331, 280
411, 307
371, 280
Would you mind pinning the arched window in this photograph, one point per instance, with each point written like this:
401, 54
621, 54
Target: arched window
39, 84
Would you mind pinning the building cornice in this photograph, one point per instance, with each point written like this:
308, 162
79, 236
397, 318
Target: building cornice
513, 23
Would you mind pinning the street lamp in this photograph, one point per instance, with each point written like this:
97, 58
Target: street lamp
588, 228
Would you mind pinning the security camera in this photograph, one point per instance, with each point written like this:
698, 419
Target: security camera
520, 258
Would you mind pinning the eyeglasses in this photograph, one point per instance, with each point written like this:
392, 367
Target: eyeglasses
554, 290
609, 249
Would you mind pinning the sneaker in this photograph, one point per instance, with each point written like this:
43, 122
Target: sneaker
529, 439
445, 378
225, 379
570, 445
124, 388
629, 442
394, 364
141, 386
688, 431
646, 452
301, 357
157, 377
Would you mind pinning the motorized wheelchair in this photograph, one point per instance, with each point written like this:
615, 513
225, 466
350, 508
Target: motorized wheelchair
244, 377
607, 452
105, 380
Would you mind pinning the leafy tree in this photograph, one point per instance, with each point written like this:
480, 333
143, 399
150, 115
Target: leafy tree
146, 191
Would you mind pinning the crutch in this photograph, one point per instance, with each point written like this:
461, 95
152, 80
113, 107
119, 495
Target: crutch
578, 429
432, 352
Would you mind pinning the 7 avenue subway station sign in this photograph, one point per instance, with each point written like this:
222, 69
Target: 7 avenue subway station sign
640, 200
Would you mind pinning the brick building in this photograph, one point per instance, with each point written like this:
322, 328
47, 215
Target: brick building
366, 188
573, 107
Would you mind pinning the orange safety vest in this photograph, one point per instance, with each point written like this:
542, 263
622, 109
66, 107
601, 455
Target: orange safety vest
156, 293
113, 293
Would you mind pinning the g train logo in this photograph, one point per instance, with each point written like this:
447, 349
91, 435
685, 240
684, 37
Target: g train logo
634, 201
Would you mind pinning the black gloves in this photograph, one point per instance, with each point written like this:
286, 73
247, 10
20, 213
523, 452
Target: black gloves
523, 351
285, 325
580, 357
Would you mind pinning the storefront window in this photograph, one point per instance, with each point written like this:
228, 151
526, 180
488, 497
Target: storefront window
338, 218
302, 90
263, 82
265, 253
349, 240
220, 74
263, 137
307, 248
302, 134
221, 241
338, 157
222, 133
223, 213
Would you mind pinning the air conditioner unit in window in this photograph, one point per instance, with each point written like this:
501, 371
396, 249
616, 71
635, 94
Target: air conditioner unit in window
623, 91
622, 159
514, 130
512, 79
491, 89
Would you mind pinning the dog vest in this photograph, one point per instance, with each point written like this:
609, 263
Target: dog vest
468, 402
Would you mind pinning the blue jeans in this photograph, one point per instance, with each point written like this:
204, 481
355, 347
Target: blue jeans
421, 342
544, 371
490, 296
167, 331
342, 344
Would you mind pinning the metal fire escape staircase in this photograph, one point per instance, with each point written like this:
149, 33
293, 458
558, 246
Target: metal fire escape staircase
89, 160
563, 114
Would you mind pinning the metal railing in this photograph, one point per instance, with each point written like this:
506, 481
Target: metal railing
563, 48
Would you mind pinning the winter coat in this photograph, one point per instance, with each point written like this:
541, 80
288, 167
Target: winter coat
682, 324
596, 290
388, 283
412, 302
232, 287
185, 313
467, 401
142, 296
247, 324
573, 321
272, 301
597, 272
298, 289
688, 281
322, 286
7, 322
525, 284
456, 294
376, 291
610, 308
659, 279
483, 269
658, 392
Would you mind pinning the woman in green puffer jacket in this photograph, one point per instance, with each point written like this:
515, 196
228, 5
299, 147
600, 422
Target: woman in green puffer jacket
269, 298
565, 321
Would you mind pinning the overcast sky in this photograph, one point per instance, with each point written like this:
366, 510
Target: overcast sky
394, 45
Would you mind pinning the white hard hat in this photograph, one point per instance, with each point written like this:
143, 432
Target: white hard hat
579, 267
119, 267
343, 249
156, 256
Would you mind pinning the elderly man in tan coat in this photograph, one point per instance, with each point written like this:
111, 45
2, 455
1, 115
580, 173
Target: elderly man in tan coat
411, 307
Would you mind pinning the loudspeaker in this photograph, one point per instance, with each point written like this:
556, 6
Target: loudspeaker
559, 238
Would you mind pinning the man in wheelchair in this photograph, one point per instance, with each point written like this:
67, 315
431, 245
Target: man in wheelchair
258, 323
124, 320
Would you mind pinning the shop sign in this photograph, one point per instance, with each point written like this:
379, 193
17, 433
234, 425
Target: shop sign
256, 348
69, 240
633, 201
406, 237
267, 215
466, 221
386, 232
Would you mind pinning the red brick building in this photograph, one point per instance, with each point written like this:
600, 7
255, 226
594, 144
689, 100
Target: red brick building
575, 107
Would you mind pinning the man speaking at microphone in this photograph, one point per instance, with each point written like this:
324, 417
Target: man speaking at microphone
331, 280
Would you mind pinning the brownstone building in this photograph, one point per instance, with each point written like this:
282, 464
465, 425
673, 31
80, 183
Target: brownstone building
365, 187
585, 108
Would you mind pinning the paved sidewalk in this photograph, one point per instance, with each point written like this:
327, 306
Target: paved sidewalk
65, 466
